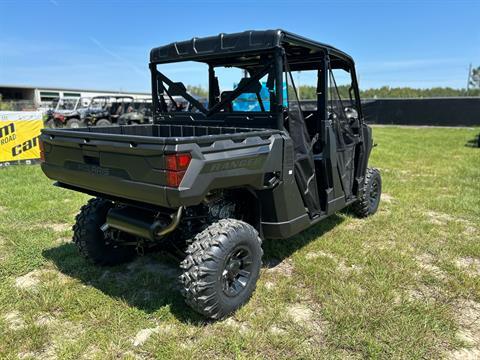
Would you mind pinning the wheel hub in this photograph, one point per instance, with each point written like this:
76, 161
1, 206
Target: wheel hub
237, 271
374, 194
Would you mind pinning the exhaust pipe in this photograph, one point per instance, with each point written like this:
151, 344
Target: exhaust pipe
141, 223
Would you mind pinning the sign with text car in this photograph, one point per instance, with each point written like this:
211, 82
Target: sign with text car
19, 133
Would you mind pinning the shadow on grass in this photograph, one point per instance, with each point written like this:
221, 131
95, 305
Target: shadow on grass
150, 283
474, 142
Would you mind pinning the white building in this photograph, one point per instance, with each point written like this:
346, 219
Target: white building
42, 96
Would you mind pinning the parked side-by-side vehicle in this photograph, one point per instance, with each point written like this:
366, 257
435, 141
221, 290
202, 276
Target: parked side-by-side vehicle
67, 112
215, 180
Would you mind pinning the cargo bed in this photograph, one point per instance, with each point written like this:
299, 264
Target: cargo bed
128, 162
161, 133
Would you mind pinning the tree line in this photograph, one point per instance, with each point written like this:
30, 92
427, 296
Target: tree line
307, 92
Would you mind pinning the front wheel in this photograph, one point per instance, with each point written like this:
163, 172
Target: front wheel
74, 123
368, 203
103, 123
221, 269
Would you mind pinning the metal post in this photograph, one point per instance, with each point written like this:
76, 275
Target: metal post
153, 71
322, 98
279, 87
211, 82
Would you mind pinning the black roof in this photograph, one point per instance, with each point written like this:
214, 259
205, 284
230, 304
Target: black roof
214, 49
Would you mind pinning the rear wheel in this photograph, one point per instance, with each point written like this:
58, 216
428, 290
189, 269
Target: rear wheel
74, 123
50, 124
368, 204
103, 122
90, 239
221, 268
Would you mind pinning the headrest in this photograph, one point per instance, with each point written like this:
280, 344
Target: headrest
254, 87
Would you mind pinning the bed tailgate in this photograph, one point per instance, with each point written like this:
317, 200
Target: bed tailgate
124, 169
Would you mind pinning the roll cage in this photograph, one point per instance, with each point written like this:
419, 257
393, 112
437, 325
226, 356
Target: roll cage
328, 144
272, 53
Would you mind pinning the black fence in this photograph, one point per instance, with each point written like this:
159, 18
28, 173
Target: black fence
458, 111
432, 111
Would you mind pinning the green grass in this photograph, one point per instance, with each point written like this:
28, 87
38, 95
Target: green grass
404, 283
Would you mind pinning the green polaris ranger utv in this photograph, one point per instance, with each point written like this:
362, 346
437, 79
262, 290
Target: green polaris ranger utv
216, 178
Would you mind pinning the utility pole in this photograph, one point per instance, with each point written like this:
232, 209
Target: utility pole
469, 77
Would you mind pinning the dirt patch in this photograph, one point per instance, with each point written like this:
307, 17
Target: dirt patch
61, 331
59, 227
467, 314
63, 240
44, 320
240, 326
144, 334
427, 263
93, 352
31, 280
28, 281
269, 285
424, 293
311, 255
316, 254
387, 198
354, 224
439, 218
470, 230
284, 267
311, 321
45, 354
300, 313
341, 266
470, 265
3, 209
14, 320
277, 331
465, 354
344, 268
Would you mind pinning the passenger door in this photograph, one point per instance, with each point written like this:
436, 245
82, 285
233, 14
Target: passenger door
345, 122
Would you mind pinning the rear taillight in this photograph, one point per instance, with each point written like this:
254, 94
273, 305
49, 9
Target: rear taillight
42, 151
176, 165
174, 178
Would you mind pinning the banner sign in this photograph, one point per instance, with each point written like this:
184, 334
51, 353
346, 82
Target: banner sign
19, 133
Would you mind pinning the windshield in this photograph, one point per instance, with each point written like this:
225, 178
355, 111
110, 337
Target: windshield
55, 103
66, 104
98, 103
228, 89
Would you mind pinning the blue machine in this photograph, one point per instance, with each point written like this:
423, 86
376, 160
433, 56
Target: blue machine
249, 102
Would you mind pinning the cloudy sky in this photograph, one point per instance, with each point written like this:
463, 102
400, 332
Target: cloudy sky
105, 44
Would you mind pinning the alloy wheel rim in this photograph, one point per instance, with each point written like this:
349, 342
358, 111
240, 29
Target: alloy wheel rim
237, 271
374, 194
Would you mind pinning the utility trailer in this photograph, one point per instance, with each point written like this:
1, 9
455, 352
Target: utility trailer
214, 181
